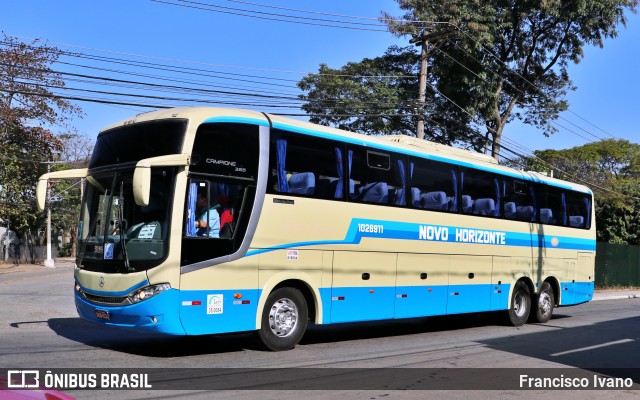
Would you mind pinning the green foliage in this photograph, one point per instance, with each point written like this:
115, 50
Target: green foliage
506, 59
378, 96
27, 110
23, 154
610, 168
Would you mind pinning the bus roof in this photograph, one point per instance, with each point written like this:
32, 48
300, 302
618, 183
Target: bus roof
398, 143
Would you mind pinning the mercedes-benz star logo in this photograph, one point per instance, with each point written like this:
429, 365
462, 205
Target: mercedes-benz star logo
101, 282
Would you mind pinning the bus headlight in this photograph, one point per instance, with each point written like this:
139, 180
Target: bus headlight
148, 292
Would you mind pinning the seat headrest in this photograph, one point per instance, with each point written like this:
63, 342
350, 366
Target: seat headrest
302, 183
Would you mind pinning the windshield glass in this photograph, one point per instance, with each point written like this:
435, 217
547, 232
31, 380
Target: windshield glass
149, 139
117, 235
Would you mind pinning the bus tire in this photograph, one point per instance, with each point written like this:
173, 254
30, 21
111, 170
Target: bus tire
284, 319
520, 306
543, 304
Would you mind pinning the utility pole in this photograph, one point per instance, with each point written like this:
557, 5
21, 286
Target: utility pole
423, 41
49, 263
422, 85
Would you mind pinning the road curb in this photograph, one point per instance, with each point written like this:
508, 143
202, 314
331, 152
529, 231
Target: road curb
616, 296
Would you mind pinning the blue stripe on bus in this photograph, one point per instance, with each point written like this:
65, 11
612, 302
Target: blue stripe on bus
353, 304
180, 312
369, 228
237, 120
380, 146
236, 315
572, 293
163, 307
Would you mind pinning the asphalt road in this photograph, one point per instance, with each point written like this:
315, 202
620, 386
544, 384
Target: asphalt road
39, 328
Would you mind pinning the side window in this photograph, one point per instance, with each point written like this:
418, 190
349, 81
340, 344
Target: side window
212, 208
434, 185
306, 166
552, 205
480, 193
216, 150
376, 176
578, 210
519, 200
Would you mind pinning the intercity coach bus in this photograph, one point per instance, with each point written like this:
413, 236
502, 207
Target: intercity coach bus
314, 224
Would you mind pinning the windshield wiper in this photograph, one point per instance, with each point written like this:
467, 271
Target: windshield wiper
122, 235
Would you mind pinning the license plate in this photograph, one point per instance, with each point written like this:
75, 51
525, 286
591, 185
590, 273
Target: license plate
101, 314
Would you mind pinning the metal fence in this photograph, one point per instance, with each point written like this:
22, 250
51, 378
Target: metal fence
617, 265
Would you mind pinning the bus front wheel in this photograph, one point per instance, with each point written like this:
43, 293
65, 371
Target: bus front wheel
543, 304
520, 304
284, 319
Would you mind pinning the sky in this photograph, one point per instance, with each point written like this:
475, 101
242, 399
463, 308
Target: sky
191, 44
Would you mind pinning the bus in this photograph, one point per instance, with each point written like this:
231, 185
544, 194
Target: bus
310, 224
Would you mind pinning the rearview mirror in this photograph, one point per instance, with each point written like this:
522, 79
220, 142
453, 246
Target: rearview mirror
142, 174
43, 182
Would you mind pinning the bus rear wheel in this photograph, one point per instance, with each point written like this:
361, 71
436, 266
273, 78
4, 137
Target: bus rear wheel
520, 306
543, 304
284, 319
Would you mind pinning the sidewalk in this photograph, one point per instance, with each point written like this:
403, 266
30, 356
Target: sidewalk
611, 294
61, 262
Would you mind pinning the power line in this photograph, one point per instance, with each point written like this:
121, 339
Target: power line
272, 16
305, 114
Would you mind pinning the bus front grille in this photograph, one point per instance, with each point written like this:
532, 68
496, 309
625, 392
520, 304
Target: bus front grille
106, 300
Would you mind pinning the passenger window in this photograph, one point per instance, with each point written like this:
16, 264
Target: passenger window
552, 205
433, 185
481, 193
519, 200
306, 166
579, 210
376, 177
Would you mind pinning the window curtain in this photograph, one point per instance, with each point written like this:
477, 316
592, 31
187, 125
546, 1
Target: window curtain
454, 181
191, 209
563, 213
534, 203
496, 187
283, 183
587, 206
340, 185
349, 162
403, 178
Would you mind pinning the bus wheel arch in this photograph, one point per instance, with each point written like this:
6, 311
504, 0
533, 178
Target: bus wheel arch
520, 302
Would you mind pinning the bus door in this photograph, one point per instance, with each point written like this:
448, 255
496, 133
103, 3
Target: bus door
363, 286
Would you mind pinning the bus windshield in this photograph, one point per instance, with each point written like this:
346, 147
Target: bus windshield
115, 234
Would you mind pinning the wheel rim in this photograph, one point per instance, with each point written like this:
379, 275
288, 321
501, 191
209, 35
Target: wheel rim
519, 304
283, 317
544, 302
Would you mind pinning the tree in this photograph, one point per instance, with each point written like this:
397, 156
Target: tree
611, 168
67, 194
24, 153
25, 79
28, 111
508, 58
377, 96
